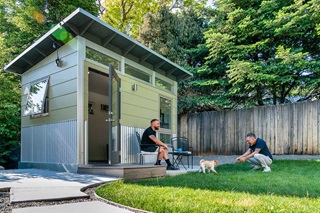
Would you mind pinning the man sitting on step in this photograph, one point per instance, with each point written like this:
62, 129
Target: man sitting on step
149, 139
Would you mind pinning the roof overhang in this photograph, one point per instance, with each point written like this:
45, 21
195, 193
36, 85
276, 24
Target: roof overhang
81, 23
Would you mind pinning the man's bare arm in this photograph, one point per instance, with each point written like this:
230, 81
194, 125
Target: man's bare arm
248, 154
157, 141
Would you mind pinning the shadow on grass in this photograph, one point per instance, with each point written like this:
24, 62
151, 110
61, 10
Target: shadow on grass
298, 178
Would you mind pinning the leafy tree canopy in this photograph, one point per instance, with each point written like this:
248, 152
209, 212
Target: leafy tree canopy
127, 15
21, 23
260, 52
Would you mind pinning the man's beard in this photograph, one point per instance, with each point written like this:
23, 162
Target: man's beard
156, 128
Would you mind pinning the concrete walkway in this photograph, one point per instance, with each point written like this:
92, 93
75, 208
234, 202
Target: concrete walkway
43, 185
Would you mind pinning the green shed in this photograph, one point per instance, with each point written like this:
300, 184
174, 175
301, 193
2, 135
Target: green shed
86, 89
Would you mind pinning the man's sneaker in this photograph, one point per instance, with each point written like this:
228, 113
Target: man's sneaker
171, 168
256, 167
267, 169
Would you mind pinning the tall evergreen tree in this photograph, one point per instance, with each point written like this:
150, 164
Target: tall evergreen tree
179, 37
250, 61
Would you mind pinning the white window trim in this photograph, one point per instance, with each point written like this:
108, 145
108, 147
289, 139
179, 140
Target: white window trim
103, 50
138, 66
150, 83
164, 130
41, 114
102, 65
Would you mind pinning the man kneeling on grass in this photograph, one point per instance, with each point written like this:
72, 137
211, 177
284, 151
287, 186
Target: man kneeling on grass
258, 154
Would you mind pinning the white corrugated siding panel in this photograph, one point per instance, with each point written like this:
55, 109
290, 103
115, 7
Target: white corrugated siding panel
26, 144
129, 146
50, 143
62, 142
39, 143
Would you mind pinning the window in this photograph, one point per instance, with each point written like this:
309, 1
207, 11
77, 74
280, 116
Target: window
165, 138
137, 73
37, 100
163, 84
102, 58
165, 113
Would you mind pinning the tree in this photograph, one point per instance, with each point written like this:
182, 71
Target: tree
160, 32
304, 18
179, 37
126, 15
22, 22
9, 119
250, 61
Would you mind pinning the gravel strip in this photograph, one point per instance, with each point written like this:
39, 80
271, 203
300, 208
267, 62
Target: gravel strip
6, 207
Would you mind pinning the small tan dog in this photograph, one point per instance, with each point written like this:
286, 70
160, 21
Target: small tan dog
209, 165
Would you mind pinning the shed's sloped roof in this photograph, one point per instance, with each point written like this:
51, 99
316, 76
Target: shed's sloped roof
81, 23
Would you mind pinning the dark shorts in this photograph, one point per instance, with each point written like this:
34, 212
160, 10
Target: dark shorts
149, 148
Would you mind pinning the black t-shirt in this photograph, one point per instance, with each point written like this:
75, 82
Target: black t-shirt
145, 137
261, 144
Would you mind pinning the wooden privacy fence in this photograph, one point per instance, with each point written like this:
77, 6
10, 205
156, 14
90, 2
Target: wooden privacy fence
287, 129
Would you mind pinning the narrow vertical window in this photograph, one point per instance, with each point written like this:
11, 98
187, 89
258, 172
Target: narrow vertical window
37, 100
165, 113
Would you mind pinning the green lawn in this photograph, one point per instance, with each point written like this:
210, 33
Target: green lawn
292, 186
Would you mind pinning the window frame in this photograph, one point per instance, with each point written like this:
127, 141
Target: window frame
171, 111
137, 70
118, 68
44, 111
165, 81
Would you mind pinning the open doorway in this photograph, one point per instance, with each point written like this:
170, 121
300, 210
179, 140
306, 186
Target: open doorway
97, 114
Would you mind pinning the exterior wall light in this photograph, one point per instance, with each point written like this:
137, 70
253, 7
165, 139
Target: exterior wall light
134, 87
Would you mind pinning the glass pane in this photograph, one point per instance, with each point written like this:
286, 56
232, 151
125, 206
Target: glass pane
163, 84
102, 58
115, 112
137, 73
114, 117
165, 138
165, 113
36, 98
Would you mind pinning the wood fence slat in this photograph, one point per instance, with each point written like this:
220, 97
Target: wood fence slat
318, 127
314, 128
299, 127
206, 131
200, 133
272, 117
212, 132
290, 128
227, 140
294, 130
236, 132
196, 131
286, 122
231, 131
309, 128
305, 128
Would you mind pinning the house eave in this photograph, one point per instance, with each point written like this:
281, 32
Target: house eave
82, 23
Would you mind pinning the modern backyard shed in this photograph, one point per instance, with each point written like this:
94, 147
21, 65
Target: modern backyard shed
86, 89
